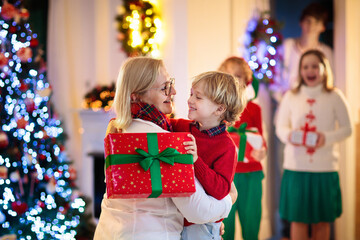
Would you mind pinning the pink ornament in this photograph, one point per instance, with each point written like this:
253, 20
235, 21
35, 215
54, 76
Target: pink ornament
3, 172
4, 140
8, 11
24, 54
3, 60
21, 123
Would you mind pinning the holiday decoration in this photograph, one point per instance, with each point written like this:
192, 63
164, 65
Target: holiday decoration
263, 39
139, 27
37, 196
246, 140
140, 165
4, 140
100, 97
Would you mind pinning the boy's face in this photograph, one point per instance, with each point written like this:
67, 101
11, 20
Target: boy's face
202, 109
237, 71
311, 25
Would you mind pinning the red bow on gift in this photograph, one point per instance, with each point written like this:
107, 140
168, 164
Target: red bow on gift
307, 129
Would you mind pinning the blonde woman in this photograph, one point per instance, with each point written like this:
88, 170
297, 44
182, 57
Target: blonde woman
142, 100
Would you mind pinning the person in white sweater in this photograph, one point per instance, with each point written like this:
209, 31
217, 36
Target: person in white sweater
310, 189
313, 21
143, 96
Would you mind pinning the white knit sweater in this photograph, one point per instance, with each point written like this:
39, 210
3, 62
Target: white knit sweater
328, 112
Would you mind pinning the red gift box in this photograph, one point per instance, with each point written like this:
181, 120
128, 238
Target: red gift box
246, 140
148, 165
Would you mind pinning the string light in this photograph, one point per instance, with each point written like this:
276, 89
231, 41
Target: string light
263, 34
140, 27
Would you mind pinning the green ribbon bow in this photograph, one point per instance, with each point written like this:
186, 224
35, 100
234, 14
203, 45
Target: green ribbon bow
151, 160
241, 131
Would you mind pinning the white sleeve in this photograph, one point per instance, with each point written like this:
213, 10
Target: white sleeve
283, 121
201, 208
342, 115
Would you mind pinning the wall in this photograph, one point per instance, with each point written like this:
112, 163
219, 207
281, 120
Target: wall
347, 55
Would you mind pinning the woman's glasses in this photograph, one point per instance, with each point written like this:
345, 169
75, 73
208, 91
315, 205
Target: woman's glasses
168, 87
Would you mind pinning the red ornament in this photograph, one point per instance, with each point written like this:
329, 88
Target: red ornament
19, 207
42, 157
4, 140
41, 204
24, 54
24, 13
30, 105
22, 123
3, 60
12, 29
23, 86
34, 42
8, 11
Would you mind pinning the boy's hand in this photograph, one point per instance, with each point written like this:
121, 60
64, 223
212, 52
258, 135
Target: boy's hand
259, 154
191, 147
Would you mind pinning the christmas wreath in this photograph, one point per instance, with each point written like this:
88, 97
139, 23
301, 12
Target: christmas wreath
139, 27
262, 43
100, 97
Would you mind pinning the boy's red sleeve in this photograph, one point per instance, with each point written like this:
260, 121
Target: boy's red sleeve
217, 179
180, 125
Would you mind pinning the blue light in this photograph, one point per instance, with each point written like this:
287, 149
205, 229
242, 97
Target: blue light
265, 21
33, 73
260, 76
269, 30
273, 39
271, 50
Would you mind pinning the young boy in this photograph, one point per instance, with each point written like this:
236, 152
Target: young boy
248, 175
215, 98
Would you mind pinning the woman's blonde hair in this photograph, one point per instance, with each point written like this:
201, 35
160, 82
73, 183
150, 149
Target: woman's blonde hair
239, 63
137, 75
328, 77
222, 88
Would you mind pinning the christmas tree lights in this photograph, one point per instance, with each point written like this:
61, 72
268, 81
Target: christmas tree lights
38, 197
263, 39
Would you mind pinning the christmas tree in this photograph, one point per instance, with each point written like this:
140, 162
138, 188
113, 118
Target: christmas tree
38, 196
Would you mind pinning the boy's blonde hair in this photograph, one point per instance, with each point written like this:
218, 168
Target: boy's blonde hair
239, 63
137, 75
222, 88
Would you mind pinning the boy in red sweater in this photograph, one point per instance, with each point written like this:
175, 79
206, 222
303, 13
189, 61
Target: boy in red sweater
215, 98
248, 175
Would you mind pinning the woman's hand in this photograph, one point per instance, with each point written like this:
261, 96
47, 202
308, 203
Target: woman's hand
259, 154
233, 193
191, 147
222, 229
111, 128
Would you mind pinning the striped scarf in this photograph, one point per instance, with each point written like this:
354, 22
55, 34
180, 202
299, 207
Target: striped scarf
150, 113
